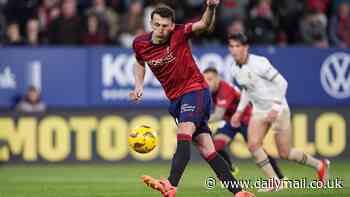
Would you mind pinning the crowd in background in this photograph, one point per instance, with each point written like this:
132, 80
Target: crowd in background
317, 23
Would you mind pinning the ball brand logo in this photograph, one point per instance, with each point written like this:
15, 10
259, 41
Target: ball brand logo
335, 75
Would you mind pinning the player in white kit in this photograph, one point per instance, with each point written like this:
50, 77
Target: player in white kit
265, 88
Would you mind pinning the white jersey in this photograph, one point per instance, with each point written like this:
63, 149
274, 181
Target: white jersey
262, 85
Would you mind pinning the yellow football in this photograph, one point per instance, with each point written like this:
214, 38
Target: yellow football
142, 139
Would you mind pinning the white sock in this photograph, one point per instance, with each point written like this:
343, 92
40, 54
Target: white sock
304, 159
264, 163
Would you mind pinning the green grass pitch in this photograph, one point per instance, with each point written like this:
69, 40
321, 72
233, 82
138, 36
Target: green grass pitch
114, 180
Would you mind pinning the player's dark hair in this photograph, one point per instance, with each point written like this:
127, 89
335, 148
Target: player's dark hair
211, 70
165, 12
240, 37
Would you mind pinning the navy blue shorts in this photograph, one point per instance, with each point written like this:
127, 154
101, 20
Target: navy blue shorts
230, 131
193, 107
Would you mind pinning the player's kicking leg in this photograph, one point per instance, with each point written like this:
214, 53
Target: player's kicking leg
186, 112
283, 138
206, 147
192, 110
179, 162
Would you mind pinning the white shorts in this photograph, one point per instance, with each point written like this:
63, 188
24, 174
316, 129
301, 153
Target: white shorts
281, 124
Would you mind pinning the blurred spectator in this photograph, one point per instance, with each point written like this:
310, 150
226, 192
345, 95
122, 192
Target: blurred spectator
131, 24
84, 5
2, 27
318, 5
235, 26
262, 24
335, 4
279, 22
13, 36
66, 29
288, 13
193, 9
119, 5
281, 39
180, 11
313, 29
47, 12
31, 101
20, 10
230, 9
33, 32
339, 30
93, 36
107, 16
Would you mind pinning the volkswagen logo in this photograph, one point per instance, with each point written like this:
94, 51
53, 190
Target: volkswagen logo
335, 75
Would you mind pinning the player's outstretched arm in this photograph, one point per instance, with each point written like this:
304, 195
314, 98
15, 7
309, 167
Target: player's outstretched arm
208, 19
139, 74
212, 24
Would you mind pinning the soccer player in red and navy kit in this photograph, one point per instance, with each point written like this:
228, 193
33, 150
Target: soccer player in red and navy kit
225, 99
167, 52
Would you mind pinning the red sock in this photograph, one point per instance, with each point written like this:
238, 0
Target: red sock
219, 144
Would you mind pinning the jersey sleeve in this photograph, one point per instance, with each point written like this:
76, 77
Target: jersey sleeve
266, 70
185, 30
270, 73
244, 101
138, 57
